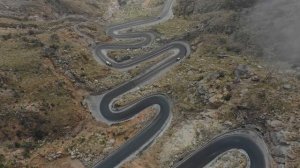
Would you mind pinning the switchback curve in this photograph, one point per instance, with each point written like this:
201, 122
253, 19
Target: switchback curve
246, 140
101, 105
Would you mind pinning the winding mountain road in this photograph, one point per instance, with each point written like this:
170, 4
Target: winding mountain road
101, 106
245, 140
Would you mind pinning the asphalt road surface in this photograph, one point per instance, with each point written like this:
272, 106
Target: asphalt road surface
245, 140
101, 106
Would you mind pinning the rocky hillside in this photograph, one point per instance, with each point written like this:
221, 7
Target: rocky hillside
47, 68
51, 9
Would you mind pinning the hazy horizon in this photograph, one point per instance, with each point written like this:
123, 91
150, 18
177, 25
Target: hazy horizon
275, 25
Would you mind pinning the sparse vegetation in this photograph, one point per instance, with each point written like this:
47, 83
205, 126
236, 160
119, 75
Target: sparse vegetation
46, 69
6, 37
